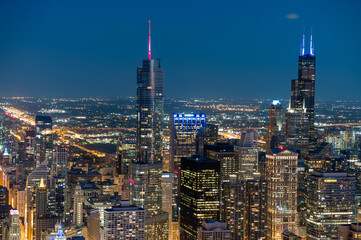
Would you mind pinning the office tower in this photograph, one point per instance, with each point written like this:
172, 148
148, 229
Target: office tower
14, 226
124, 157
93, 223
303, 91
60, 160
207, 135
170, 202
226, 156
132, 220
183, 131
29, 145
275, 122
21, 201
248, 154
78, 206
330, 201
146, 171
43, 221
212, 229
44, 137
349, 231
41, 200
281, 175
59, 192
297, 130
199, 193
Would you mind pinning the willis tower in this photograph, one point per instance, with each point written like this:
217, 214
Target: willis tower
146, 171
300, 117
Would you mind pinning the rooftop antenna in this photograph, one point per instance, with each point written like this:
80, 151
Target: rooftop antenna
149, 44
303, 43
311, 45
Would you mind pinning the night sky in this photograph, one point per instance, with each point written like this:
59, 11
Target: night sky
238, 49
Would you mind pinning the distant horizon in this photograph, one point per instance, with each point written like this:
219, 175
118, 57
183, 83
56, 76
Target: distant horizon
179, 98
88, 48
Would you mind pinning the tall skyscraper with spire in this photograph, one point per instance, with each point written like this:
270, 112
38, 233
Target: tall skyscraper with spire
303, 95
146, 170
150, 107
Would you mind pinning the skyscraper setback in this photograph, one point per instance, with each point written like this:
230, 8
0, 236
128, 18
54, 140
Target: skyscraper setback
303, 90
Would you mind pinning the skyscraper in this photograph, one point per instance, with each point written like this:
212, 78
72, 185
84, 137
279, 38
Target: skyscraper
330, 201
200, 194
44, 128
184, 129
78, 206
303, 90
297, 130
14, 226
146, 171
170, 202
227, 158
275, 123
243, 208
281, 192
124, 222
150, 107
248, 154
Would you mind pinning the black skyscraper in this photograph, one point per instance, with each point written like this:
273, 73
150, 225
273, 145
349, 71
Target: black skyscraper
303, 90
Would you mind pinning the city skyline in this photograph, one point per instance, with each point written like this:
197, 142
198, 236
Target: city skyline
151, 166
253, 53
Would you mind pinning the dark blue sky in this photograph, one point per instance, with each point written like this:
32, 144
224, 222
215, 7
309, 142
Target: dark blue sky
241, 49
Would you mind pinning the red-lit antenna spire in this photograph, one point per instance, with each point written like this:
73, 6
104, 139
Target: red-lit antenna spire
149, 45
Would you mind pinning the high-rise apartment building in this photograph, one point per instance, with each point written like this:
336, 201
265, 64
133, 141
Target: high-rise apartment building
255, 210
243, 208
124, 222
199, 193
330, 201
281, 176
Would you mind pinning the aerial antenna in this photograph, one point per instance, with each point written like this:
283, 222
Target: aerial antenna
311, 45
149, 44
303, 43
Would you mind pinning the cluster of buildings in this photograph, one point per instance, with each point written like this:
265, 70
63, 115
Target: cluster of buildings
294, 185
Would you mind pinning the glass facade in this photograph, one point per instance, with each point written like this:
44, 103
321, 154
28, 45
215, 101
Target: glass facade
200, 194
